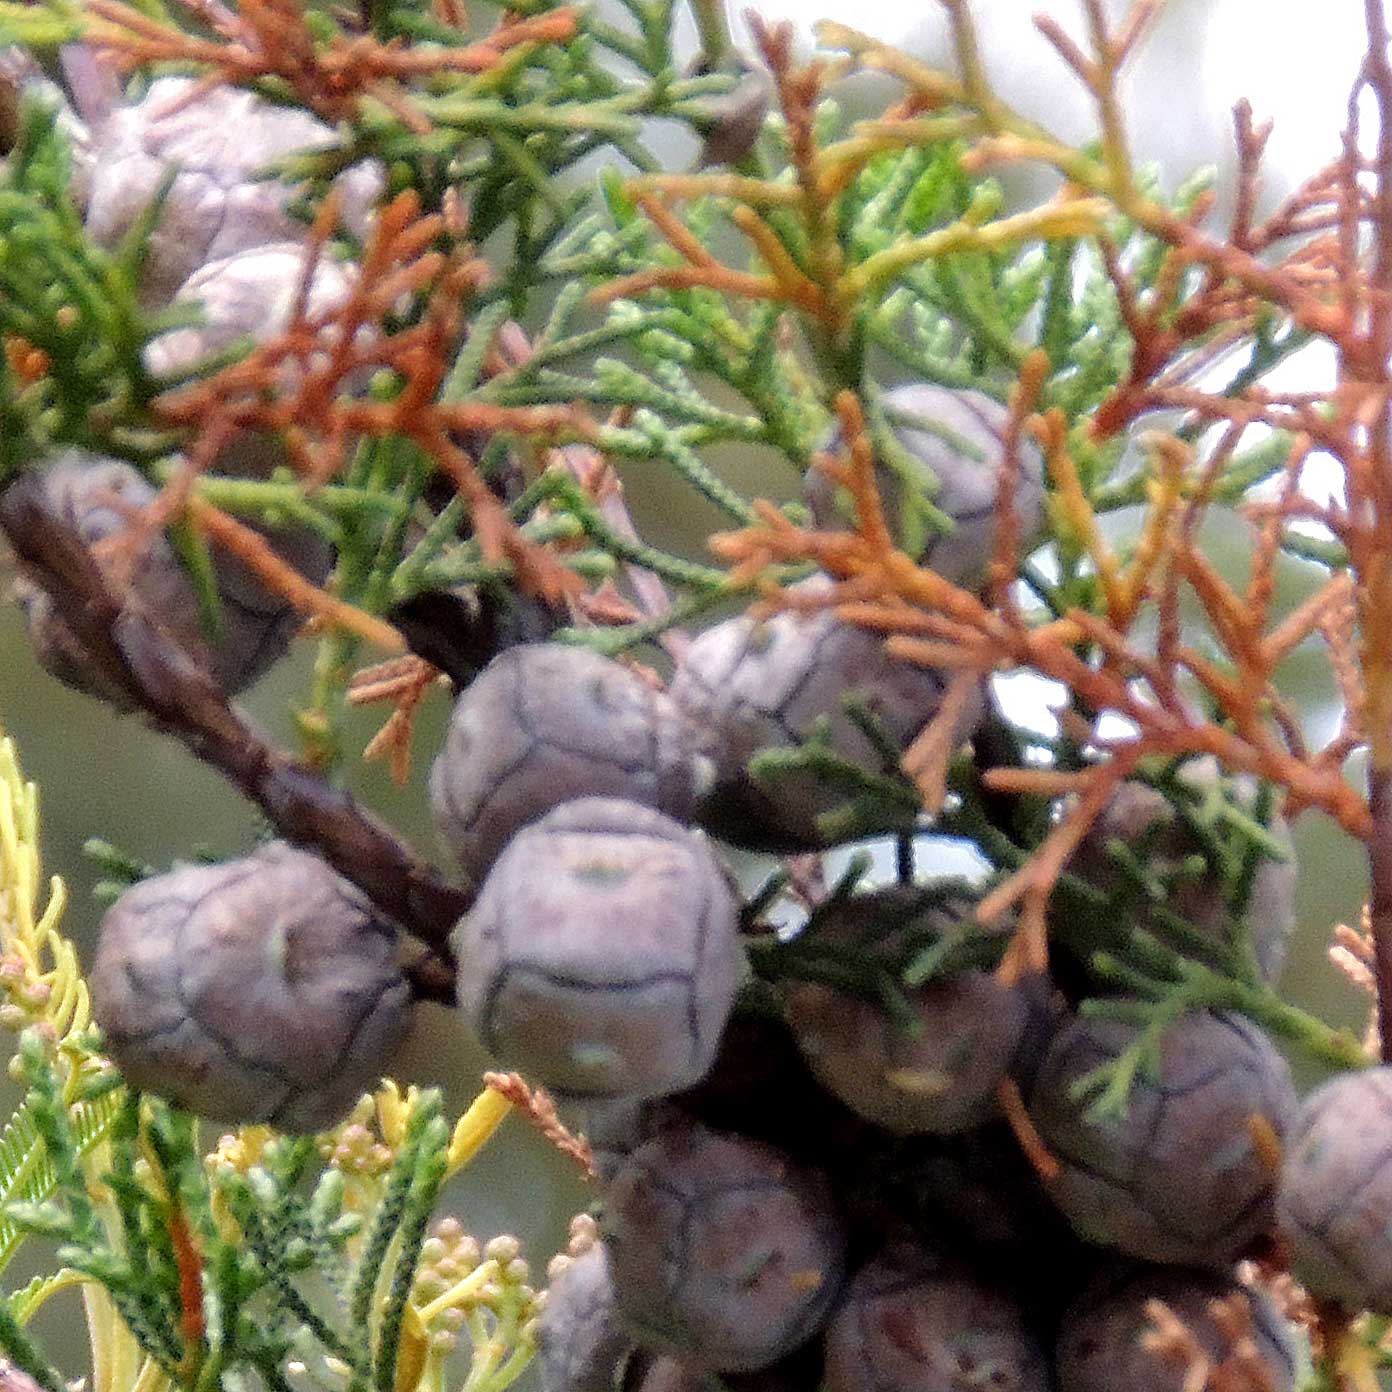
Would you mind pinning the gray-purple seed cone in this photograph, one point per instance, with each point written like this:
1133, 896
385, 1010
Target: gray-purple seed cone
97, 497
957, 436
1180, 1178
1100, 1345
941, 1079
909, 1323
1139, 816
602, 955
545, 723
249, 295
748, 685
1334, 1204
580, 1342
218, 141
263, 989
723, 1251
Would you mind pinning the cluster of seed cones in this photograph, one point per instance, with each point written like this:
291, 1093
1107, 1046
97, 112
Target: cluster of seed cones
799, 1186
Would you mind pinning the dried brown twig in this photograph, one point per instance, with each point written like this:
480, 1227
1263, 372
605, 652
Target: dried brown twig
272, 39
541, 1112
1239, 1368
305, 384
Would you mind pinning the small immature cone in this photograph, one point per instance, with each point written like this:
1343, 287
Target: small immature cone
544, 723
1102, 1342
723, 1252
912, 1323
249, 295
1335, 1198
1180, 1178
957, 437
22, 79
602, 955
219, 141
749, 685
942, 1078
264, 989
580, 1342
736, 119
1146, 822
97, 497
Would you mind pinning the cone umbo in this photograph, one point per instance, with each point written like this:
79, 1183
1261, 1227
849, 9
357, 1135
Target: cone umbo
263, 989
750, 684
218, 141
1100, 1349
601, 957
956, 437
723, 1251
941, 1077
1179, 1177
1335, 1194
544, 723
97, 497
580, 1342
911, 1322
1146, 822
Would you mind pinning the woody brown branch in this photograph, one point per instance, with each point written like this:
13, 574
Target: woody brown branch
178, 698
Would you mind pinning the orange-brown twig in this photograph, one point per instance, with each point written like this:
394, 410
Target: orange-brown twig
541, 1111
272, 38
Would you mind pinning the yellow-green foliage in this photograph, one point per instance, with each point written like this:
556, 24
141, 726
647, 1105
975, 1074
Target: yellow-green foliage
286, 1256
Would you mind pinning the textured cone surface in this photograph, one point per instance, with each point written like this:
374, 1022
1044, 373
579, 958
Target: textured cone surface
1179, 1177
957, 435
723, 1252
249, 295
580, 1343
545, 723
1335, 1197
910, 1324
942, 1078
602, 956
98, 498
215, 206
751, 684
1100, 1345
259, 990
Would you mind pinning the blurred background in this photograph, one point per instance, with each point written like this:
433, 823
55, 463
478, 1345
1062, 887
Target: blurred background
104, 775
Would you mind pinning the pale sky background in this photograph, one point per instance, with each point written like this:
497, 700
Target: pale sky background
1294, 59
